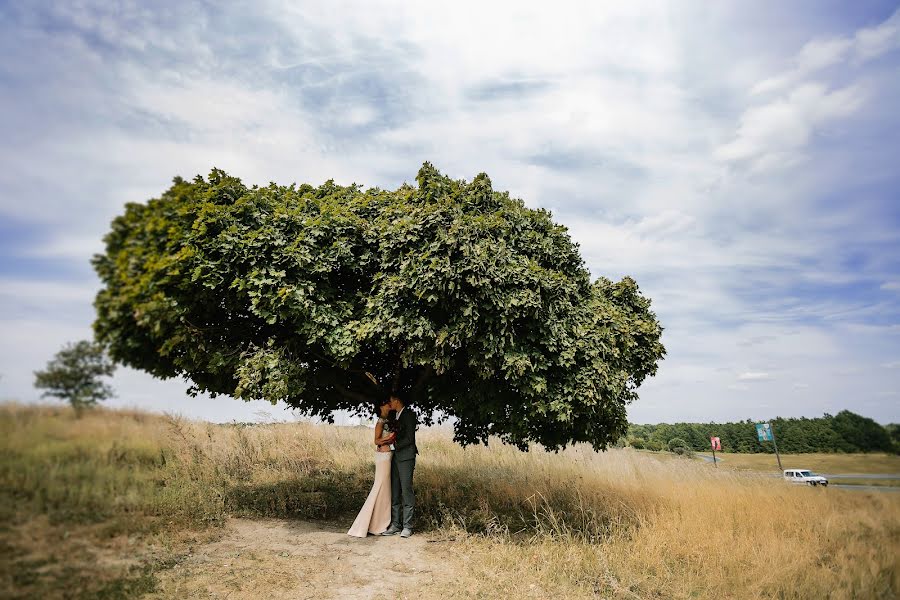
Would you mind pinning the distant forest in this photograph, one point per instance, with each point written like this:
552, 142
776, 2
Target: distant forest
843, 432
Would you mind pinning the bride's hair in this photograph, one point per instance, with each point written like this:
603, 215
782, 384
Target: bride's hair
380, 400
391, 421
376, 408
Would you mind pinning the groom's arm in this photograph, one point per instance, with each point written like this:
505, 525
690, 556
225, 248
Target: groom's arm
407, 436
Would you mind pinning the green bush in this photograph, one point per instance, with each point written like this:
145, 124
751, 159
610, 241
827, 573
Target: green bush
654, 445
682, 451
677, 443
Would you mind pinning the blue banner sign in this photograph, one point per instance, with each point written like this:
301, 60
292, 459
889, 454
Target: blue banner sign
764, 432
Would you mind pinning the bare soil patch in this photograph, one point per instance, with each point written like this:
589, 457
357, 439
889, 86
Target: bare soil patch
275, 558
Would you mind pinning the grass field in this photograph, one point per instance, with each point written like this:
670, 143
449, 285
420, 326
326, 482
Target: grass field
820, 463
98, 507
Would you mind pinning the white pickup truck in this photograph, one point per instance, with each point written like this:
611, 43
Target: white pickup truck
804, 476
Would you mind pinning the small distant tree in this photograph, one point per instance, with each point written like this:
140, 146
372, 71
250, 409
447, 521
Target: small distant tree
74, 375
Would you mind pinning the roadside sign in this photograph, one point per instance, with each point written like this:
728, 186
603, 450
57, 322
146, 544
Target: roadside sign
716, 445
766, 434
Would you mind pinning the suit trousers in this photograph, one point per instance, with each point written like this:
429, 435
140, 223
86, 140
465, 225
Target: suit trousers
403, 498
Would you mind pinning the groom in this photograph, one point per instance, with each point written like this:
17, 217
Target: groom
403, 464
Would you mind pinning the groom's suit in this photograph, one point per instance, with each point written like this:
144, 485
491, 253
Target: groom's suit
403, 499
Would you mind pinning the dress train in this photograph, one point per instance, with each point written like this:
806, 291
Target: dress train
375, 514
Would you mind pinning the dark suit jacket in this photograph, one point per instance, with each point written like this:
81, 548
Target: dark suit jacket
405, 444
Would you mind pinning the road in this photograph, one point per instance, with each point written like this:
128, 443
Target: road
708, 458
843, 486
863, 475
865, 488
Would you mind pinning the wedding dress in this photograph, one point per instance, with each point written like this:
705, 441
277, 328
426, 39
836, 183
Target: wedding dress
375, 515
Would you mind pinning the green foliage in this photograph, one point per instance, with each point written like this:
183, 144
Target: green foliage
655, 445
857, 432
844, 432
893, 430
74, 375
325, 297
680, 447
676, 443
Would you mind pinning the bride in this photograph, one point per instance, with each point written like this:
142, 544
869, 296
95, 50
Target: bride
375, 515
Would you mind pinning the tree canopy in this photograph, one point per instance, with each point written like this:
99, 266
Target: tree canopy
453, 294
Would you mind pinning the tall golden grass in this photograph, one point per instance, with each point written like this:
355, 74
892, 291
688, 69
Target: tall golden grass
572, 524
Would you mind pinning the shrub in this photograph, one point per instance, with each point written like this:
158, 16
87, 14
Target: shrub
654, 445
677, 443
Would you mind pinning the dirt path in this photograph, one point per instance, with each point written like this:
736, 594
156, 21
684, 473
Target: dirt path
275, 559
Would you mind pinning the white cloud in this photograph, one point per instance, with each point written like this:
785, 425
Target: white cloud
822, 53
754, 376
873, 330
635, 123
875, 41
773, 135
66, 247
51, 293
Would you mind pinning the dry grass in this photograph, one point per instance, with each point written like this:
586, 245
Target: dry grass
576, 524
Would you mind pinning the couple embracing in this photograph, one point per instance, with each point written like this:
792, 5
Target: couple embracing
388, 510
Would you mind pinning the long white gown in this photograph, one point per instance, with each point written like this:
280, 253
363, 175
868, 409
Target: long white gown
375, 514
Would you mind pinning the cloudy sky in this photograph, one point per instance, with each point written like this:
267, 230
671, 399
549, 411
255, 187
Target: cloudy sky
738, 159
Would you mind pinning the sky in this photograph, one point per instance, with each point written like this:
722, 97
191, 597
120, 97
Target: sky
738, 159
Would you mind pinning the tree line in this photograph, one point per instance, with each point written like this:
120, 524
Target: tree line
843, 432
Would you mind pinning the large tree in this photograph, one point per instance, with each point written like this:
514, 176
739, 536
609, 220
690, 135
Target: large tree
325, 297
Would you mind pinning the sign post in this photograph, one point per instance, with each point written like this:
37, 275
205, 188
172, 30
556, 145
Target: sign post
716, 444
766, 433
